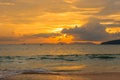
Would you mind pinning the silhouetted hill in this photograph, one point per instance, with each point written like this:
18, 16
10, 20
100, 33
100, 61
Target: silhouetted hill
112, 42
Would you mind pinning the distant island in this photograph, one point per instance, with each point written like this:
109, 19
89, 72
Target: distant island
112, 42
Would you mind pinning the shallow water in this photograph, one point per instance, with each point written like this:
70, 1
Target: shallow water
16, 59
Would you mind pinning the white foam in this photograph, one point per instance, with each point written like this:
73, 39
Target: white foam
4, 74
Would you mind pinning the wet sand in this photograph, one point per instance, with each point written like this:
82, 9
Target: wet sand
100, 76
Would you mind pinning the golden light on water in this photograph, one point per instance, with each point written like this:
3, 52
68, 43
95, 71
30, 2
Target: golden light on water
79, 67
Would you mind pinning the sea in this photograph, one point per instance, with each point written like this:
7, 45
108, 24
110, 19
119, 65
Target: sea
58, 59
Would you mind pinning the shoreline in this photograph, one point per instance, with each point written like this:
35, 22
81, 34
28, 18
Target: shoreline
84, 76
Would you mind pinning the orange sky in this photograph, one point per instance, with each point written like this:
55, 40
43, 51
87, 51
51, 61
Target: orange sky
42, 21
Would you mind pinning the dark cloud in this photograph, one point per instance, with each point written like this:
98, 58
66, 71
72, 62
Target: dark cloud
92, 31
107, 22
24, 37
112, 7
89, 4
26, 11
107, 6
42, 35
29, 6
110, 22
113, 25
9, 39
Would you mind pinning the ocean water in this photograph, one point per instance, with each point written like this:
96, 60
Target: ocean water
67, 59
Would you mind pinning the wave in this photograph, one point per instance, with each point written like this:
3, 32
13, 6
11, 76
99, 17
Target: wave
9, 73
61, 57
104, 56
67, 58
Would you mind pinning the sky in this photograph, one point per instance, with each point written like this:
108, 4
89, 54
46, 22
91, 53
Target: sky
54, 21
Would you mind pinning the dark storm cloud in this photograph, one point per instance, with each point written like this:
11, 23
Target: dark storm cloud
92, 31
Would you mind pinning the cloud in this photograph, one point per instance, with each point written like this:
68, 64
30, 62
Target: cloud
107, 7
92, 31
70, 1
108, 22
42, 35
38, 5
6, 4
113, 25
34, 15
89, 4
27, 37
59, 6
9, 39
27, 11
112, 7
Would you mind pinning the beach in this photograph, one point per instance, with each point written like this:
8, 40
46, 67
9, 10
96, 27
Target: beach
60, 62
98, 76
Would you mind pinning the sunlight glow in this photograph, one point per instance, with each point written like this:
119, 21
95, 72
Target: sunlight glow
113, 30
57, 30
71, 67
